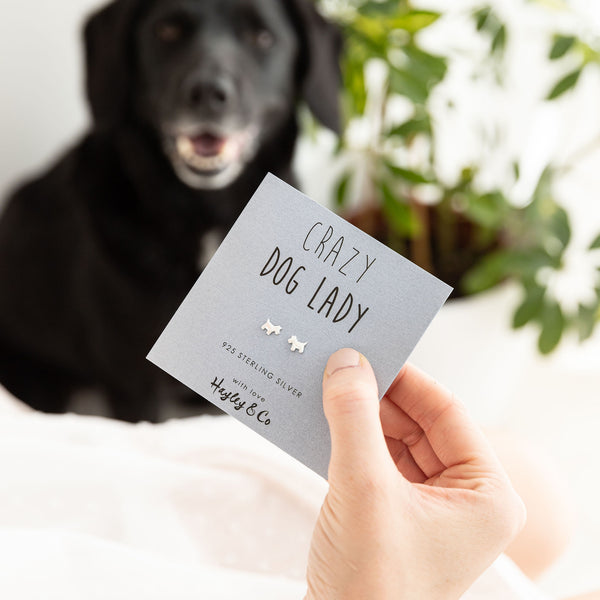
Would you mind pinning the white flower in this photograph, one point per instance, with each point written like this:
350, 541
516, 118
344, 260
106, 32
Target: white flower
574, 283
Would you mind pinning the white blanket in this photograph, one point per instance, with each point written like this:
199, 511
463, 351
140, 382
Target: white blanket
193, 508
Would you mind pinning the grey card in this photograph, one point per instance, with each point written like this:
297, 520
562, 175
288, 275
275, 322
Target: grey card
295, 269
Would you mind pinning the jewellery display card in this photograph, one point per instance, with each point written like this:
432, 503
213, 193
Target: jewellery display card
292, 283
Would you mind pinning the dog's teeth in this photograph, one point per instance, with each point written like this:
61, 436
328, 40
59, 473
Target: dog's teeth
229, 150
185, 147
207, 163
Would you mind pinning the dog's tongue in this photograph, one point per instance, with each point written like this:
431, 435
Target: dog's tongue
207, 144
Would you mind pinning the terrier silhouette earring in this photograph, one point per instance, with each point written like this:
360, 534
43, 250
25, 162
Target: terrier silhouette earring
270, 328
296, 345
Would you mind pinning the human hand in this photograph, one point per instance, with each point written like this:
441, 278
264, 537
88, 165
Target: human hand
418, 504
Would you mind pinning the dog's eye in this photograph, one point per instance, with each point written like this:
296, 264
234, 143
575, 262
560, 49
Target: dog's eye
262, 38
169, 31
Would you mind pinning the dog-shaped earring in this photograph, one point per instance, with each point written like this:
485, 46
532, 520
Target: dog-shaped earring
296, 345
270, 328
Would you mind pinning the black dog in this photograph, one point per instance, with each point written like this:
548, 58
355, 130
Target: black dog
193, 102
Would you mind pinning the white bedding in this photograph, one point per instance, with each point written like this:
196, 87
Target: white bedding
193, 508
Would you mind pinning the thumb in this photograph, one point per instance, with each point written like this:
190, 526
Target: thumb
351, 406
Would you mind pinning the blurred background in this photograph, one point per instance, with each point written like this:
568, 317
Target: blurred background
472, 147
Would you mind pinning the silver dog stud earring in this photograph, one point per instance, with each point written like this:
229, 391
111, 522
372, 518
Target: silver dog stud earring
270, 328
296, 345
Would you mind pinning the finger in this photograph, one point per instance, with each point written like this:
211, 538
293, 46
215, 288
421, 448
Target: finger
453, 436
398, 425
351, 405
404, 461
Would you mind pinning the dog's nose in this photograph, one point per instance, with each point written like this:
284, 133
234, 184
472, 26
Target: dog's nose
214, 94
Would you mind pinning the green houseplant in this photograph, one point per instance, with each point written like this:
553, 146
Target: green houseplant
472, 236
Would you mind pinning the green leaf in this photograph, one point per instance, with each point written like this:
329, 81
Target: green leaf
499, 40
392, 14
497, 266
546, 220
411, 127
418, 74
560, 226
414, 21
595, 244
407, 84
553, 325
371, 33
382, 7
489, 210
562, 44
516, 170
566, 83
428, 67
376, 29
400, 216
407, 174
355, 92
487, 21
481, 16
587, 317
531, 307
490, 271
341, 189
542, 195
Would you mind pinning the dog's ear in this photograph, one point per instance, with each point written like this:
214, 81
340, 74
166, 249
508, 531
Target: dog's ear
108, 62
320, 72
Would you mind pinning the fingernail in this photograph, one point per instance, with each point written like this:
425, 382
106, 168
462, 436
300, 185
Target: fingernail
342, 359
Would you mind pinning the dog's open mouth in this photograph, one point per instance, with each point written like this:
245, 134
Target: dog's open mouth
209, 153
207, 157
